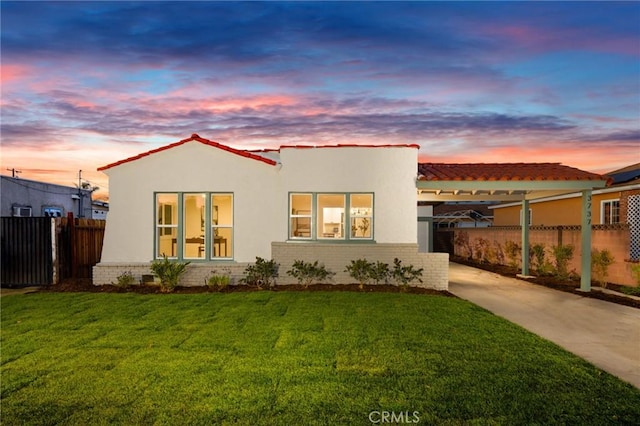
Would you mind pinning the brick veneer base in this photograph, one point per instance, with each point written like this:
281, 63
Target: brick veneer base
334, 256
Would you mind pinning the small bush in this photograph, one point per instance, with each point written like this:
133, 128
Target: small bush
562, 255
307, 272
405, 275
538, 255
360, 270
632, 291
513, 251
261, 274
380, 272
600, 262
219, 281
635, 271
169, 272
461, 240
125, 280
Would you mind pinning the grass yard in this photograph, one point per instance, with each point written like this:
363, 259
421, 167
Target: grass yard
288, 358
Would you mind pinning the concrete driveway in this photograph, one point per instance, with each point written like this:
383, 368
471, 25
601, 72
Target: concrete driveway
604, 333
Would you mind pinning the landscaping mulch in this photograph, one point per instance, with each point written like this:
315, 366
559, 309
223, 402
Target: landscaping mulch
86, 286
569, 285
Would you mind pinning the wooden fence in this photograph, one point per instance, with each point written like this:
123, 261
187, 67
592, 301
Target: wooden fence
44, 251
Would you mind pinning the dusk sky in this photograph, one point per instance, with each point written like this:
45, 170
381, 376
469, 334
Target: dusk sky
85, 84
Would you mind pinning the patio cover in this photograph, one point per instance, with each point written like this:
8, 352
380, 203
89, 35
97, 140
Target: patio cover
514, 182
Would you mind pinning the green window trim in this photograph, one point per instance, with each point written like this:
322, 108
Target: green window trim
347, 219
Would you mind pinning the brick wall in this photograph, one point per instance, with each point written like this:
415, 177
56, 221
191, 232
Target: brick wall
335, 257
613, 238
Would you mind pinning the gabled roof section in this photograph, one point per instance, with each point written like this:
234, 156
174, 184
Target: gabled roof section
197, 138
503, 172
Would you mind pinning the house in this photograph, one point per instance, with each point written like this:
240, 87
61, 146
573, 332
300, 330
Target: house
30, 198
99, 209
219, 207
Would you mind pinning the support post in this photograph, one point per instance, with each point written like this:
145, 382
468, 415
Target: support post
585, 273
525, 237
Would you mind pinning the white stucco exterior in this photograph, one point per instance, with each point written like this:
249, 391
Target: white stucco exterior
261, 191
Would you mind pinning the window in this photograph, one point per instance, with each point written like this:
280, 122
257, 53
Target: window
361, 214
182, 230
530, 217
167, 225
330, 216
300, 220
222, 225
52, 212
610, 212
193, 225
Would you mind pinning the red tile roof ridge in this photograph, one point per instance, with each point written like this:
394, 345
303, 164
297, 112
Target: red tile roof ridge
197, 138
503, 172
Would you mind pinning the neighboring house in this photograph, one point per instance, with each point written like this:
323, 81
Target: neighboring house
219, 207
99, 209
29, 198
618, 203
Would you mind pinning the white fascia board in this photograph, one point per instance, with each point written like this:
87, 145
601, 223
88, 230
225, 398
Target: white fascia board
571, 195
515, 185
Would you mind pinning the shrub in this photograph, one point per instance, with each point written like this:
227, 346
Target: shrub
262, 273
380, 272
405, 275
461, 240
360, 270
169, 272
538, 254
307, 272
635, 271
600, 262
632, 291
512, 251
562, 255
125, 280
219, 281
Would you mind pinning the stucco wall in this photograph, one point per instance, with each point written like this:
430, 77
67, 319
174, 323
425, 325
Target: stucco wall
260, 193
192, 167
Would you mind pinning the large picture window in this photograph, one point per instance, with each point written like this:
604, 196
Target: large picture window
331, 216
182, 230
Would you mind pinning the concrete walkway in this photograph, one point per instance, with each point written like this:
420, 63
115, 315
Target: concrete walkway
604, 333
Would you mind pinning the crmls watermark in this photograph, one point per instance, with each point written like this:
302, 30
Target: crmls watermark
403, 417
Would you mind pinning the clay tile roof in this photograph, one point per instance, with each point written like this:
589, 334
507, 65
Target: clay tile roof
502, 172
194, 137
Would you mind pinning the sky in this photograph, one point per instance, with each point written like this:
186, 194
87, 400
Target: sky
85, 84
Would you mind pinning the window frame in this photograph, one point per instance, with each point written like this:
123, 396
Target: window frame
603, 203
180, 226
315, 234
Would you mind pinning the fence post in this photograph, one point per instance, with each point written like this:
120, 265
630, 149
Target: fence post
71, 223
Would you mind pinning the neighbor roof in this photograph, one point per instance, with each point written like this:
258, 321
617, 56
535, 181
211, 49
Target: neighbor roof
502, 172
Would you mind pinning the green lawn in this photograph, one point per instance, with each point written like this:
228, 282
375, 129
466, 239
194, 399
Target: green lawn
288, 358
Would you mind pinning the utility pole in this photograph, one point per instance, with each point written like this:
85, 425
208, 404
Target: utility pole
80, 212
14, 172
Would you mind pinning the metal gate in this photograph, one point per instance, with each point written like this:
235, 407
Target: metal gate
26, 251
